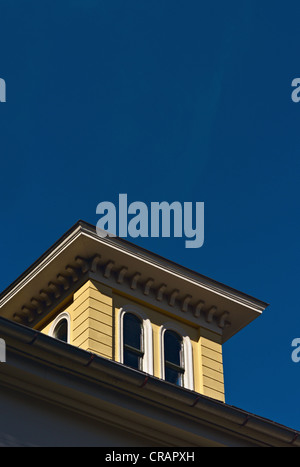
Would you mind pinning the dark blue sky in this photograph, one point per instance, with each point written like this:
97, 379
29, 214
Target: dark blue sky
165, 100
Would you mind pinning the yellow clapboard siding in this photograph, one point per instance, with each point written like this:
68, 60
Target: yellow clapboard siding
100, 293
213, 364
81, 338
100, 337
96, 347
213, 384
79, 308
97, 318
209, 344
91, 303
100, 348
103, 307
101, 297
92, 319
95, 335
210, 373
84, 345
214, 394
212, 354
97, 325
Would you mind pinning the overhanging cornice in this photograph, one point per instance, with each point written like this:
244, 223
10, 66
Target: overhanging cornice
80, 254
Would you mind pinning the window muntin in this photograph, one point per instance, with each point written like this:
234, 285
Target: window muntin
133, 352
173, 358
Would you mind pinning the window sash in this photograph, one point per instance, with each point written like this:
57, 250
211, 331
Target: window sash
177, 370
175, 367
134, 350
131, 350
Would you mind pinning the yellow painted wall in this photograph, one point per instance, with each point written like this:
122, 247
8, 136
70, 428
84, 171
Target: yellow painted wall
211, 364
94, 313
91, 319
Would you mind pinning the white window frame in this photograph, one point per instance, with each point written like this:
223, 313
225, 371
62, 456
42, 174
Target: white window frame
60, 317
147, 360
188, 375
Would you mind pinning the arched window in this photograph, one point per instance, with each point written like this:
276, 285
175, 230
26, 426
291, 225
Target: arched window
133, 347
60, 328
174, 358
60, 331
135, 343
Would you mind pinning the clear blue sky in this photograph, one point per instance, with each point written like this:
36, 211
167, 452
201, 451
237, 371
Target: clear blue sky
165, 100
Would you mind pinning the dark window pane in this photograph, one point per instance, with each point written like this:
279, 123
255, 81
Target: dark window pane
173, 358
132, 341
173, 376
173, 346
131, 359
61, 331
132, 329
